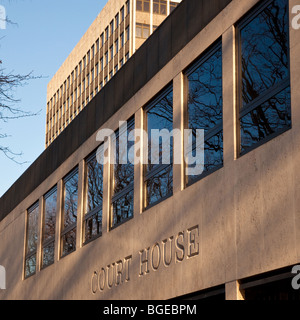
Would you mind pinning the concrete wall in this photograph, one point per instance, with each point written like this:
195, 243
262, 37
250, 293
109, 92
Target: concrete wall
239, 221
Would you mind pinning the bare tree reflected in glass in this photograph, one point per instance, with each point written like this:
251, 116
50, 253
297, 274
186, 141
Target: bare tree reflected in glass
94, 201
48, 236
265, 95
205, 107
123, 177
159, 176
70, 213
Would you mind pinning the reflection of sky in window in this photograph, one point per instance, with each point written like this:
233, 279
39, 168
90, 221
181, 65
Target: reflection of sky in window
32, 224
123, 172
50, 216
264, 47
95, 184
71, 194
159, 117
205, 94
270, 117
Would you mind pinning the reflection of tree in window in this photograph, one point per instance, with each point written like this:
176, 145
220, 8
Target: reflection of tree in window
31, 245
205, 107
94, 200
70, 213
265, 94
123, 177
159, 176
49, 227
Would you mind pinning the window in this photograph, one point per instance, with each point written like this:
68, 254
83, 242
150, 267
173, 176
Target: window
122, 13
93, 74
126, 56
93, 51
97, 69
116, 46
205, 104
102, 39
106, 58
111, 50
121, 63
49, 222
158, 176
106, 34
84, 61
112, 27
101, 64
110, 74
123, 177
88, 56
116, 69
122, 39
127, 4
160, 7
142, 30
117, 20
31, 240
94, 199
69, 219
173, 5
127, 33
97, 45
143, 5
264, 84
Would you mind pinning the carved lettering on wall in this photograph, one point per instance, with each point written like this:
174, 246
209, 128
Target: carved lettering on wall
162, 254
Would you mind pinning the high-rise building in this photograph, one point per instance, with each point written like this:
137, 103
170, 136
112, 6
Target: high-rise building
117, 32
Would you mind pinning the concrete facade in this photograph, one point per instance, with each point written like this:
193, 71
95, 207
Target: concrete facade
238, 222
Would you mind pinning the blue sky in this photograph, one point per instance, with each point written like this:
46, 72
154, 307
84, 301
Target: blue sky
43, 36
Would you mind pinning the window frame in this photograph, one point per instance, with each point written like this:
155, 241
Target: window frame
204, 57
90, 214
158, 167
46, 243
71, 227
268, 93
33, 253
126, 190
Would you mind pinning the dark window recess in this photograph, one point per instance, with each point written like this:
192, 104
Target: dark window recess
94, 199
205, 109
212, 294
271, 286
158, 177
265, 106
123, 177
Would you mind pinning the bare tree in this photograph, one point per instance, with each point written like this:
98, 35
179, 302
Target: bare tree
9, 109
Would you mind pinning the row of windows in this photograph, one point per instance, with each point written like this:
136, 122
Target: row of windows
159, 6
108, 55
264, 112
